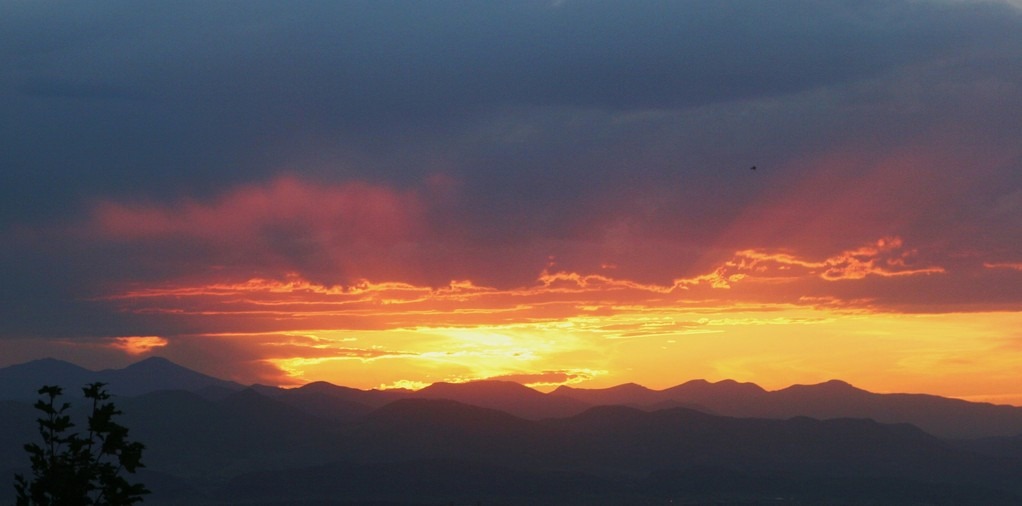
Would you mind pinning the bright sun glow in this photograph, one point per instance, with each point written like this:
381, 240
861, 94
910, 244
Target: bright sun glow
747, 319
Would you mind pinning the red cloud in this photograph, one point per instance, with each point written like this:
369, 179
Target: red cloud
351, 211
292, 302
339, 231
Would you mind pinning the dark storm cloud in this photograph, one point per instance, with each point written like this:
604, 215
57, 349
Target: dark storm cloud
626, 127
240, 90
57, 88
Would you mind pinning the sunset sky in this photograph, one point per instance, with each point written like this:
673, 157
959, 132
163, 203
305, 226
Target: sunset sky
389, 194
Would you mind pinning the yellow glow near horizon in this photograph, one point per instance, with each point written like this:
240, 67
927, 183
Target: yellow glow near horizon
958, 354
774, 318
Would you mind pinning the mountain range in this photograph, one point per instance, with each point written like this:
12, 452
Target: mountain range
210, 441
22, 381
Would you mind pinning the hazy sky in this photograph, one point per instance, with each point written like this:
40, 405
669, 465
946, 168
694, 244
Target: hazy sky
386, 193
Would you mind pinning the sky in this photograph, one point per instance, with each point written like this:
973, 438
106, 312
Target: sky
387, 194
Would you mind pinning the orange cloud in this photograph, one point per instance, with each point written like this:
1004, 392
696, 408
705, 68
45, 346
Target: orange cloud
574, 282
138, 345
1003, 265
548, 378
367, 304
885, 258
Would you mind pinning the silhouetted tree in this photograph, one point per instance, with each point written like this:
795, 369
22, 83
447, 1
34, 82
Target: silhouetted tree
71, 469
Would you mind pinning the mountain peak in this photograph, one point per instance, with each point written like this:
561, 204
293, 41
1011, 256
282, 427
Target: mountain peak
479, 387
563, 389
48, 363
836, 383
154, 360
22, 381
318, 385
151, 374
727, 387
629, 387
834, 386
503, 395
155, 363
158, 373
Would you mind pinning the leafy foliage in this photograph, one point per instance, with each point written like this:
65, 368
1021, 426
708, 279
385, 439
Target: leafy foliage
73, 469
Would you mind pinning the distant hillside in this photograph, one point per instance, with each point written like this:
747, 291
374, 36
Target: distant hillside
505, 396
157, 373
950, 418
21, 382
251, 448
947, 418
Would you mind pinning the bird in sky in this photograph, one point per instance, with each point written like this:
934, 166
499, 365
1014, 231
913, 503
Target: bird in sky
752, 168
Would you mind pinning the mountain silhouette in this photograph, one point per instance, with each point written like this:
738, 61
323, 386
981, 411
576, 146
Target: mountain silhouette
22, 381
625, 394
441, 428
691, 394
645, 441
158, 373
191, 436
950, 418
327, 401
331, 401
506, 396
726, 391
17, 427
430, 481
152, 374
254, 447
944, 417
